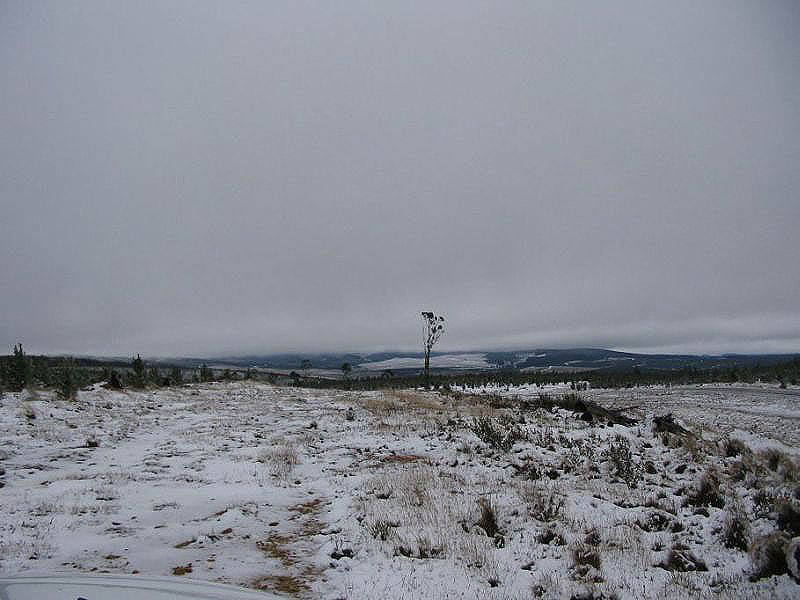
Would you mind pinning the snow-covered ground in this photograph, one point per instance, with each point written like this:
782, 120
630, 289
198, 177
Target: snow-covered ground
326, 494
441, 361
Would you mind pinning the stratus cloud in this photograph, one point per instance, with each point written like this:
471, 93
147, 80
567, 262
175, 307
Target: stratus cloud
185, 178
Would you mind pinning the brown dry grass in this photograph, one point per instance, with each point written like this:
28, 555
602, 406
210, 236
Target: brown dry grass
276, 546
402, 458
411, 400
281, 458
307, 507
285, 584
296, 582
311, 527
380, 406
182, 570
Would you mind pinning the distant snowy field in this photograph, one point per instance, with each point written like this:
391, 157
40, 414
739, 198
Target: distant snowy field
445, 361
324, 494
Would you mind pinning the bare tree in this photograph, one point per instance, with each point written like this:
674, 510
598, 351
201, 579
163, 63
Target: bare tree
432, 330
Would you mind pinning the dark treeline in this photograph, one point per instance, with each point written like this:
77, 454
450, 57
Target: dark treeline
67, 375
787, 373
19, 370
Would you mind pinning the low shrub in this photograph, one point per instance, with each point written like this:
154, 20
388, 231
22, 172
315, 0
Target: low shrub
380, 529
707, 491
281, 459
592, 538
773, 458
790, 471
622, 464
67, 380
501, 434
551, 536
763, 502
488, 520
545, 502
732, 447
736, 528
583, 554
744, 469
768, 556
788, 516
681, 559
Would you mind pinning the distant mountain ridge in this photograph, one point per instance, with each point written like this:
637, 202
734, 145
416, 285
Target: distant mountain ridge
534, 359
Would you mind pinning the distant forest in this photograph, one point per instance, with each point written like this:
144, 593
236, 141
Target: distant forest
785, 374
67, 375
19, 370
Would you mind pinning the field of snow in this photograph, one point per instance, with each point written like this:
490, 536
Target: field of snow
324, 494
443, 361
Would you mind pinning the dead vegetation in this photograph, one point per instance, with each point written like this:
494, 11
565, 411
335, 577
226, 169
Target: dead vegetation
707, 491
501, 433
707, 475
276, 546
182, 569
489, 485
290, 585
736, 528
544, 501
768, 556
281, 459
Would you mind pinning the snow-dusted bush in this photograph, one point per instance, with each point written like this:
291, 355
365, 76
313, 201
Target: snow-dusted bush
488, 520
707, 491
736, 528
27, 411
500, 434
731, 447
790, 470
694, 447
67, 380
584, 554
545, 502
768, 556
773, 458
623, 465
793, 558
380, 529
281, 459
763, 502
681, 559
788, 516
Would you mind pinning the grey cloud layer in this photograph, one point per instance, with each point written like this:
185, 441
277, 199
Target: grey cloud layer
211, 178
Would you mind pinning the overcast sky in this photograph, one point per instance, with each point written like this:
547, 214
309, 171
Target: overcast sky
208, 178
